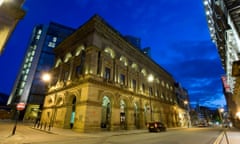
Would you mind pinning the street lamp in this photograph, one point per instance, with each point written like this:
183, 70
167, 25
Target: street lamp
150, 80
238, 115
221, 110
1, 2
188, 116
46, 77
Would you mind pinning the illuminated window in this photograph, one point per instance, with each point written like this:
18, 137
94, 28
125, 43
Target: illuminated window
22, 84
51, 44
54, 39
20, 92
25, 77
38, 37
27, 71
40, 31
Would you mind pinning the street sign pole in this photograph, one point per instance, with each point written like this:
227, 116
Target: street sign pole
20, 106
15, 124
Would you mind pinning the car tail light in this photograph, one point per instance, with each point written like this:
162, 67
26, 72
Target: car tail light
155, 125
147, 125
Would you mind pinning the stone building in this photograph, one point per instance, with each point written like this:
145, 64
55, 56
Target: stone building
11, 13
102, 82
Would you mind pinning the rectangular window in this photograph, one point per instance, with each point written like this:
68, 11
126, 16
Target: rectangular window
79, 70
65, 76
122, 79
107, 73
150, 91
143, 87
134, 84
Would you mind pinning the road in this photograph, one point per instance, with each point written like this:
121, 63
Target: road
25, 134
182, 136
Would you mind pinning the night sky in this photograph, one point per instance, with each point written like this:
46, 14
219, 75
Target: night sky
176, 31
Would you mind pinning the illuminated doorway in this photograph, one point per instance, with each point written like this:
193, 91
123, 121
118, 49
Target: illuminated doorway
122, 115
136, 116
106, 113
73, 112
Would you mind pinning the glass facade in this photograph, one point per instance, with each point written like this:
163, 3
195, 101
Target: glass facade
40, 57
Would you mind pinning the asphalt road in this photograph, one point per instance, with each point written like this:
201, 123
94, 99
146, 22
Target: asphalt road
25, 134
181, 136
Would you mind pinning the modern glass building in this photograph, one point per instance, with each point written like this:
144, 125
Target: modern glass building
28, 87
224, 28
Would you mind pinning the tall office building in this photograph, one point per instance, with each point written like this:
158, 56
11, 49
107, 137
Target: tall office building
224, 27
28, 87
135, 41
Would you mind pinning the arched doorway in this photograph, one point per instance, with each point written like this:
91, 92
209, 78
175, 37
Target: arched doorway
73, 112
148, 113
122, 115
106, 112
136, 116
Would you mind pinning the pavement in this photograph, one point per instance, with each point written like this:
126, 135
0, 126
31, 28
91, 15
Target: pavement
227, 136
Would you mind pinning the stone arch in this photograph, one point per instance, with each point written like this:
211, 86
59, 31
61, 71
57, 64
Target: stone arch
144, 72
79, 49
136, 114
58, 62
67, 57
106, 99
110, 51
106, 112
60, 100
123, 113
147, 112
134, 66
124, 60
72, 120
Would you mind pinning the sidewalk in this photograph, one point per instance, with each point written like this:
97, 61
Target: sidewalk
69, 132
229, 136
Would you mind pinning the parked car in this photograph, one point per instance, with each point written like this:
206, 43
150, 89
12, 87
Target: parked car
156, 126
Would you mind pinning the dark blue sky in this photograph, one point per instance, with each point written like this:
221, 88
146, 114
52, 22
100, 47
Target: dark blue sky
175, 30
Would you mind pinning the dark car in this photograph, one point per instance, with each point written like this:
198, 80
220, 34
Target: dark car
156, 126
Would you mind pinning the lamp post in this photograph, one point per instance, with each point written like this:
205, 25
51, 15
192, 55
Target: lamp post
221, 110
187, 109
19, 107
46, 77
150, 80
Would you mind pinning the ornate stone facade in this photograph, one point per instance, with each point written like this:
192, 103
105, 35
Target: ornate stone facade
101, 83
10, 14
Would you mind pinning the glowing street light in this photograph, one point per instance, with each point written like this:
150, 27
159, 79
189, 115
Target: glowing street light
150, 79
1, 2
238, 115
46, 77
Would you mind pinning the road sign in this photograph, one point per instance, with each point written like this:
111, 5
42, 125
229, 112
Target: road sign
20, 106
